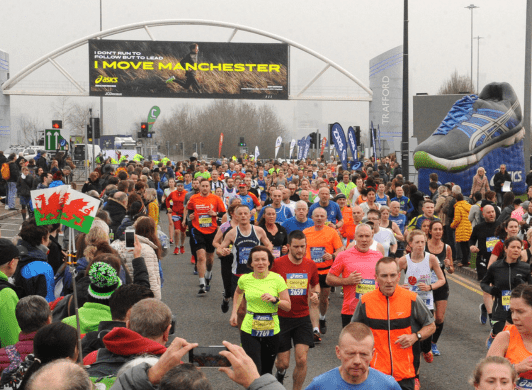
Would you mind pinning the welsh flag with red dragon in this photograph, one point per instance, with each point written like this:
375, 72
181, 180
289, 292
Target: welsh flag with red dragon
66, 206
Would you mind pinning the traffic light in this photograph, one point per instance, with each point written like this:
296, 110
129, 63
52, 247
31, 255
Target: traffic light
313, 140
89, 132
331, 140
96, 127
57, 124
357, 135
144, 129
202, 145
242, 143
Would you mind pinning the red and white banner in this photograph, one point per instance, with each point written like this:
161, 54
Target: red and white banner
323, 143
220, 144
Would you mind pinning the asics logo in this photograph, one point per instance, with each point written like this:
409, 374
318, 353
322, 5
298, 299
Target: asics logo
490, 129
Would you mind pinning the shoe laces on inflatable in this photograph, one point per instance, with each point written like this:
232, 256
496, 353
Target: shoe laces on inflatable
458, 113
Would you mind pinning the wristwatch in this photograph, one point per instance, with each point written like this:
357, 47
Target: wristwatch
418, 336
276, 301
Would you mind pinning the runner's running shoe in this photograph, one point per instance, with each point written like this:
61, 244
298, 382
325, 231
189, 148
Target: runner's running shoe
474, 126
170, 80
317, 337
483, 314
280, 376
202, 291
176, 251
417, 385
225, 305
192, 260
435, 350
208, 284
323, 326
429, 357
182, 249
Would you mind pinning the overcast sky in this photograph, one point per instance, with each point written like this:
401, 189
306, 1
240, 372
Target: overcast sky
348, 32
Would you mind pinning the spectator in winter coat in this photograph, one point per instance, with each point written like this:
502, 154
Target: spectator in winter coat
92, 183
3, 158
9, 330
480, 182
463, 226
32, 313
498, 182
116, 207
25, 184
41, 161
14, 174
34, 276
146, 332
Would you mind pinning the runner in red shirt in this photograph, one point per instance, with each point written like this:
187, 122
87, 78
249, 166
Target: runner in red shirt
175, 202
204, 208
302, 279
354, 269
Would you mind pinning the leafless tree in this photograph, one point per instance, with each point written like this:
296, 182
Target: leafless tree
457, 84
29, 128
258, 124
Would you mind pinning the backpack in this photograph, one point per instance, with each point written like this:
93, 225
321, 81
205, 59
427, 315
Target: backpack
13, 375
6, 174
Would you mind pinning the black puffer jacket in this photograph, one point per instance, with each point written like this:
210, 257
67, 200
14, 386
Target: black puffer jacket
24, 186
116, 211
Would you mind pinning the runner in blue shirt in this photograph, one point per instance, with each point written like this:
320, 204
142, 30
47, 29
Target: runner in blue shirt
334, 213
283, 211
300, 221
405, 204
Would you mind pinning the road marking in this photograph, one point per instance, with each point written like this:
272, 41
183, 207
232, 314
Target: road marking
453, 278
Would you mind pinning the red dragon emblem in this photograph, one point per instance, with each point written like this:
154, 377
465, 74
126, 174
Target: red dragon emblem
76, 210
50, 208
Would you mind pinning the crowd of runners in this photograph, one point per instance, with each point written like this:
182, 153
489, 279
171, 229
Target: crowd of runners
290, 234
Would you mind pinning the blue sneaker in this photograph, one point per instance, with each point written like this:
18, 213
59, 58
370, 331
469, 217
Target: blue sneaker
473, 127
489, 342
483, 314
435, 350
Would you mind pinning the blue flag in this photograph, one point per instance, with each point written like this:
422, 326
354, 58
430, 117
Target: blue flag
306, 147
340, 143
352, 143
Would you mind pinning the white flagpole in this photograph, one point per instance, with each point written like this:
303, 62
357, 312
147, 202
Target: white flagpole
72, 265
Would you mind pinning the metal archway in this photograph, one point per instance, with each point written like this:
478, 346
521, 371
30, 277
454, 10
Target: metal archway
8, 87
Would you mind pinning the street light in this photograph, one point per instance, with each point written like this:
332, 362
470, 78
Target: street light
472, 7
478, 38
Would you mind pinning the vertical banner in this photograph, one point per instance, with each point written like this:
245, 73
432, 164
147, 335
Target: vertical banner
300, 149
257, 154
323, 145
352, 140
220, 144
278, 142
379, 140
292, 144
340, 143
372, 129
152, 116
306, 143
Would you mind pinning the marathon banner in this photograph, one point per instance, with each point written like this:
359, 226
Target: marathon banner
278, 142
220, 144
374, 144
306, 144
292, 144
340, 143
300, 148
323, 145
379, 140
351, 137
188, 69
152, 117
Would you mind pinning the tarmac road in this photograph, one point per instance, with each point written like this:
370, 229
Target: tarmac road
201, 320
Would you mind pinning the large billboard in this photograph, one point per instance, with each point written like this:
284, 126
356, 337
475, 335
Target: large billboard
386, 82
188, 69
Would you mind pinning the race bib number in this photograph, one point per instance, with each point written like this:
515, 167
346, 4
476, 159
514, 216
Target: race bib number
176, 217
506, 299
262, 325
297, 284
243, 254
523, 383
205, 221
365, 286
316, 254
491, 242
276, 251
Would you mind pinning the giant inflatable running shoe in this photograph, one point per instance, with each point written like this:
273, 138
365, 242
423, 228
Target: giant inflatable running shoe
479, 131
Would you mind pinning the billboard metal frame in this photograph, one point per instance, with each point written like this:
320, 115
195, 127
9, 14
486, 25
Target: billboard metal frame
9, 87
